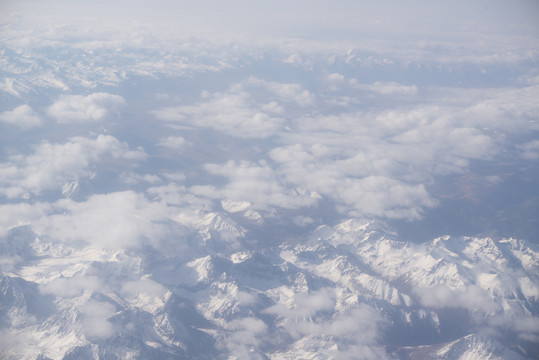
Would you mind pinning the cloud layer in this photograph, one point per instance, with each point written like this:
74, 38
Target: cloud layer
22, 116
78, 108
49, 166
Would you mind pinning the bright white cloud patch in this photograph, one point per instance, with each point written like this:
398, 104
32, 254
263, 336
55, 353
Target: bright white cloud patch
256, 183
288, 92
470, 297
51, 165
230, 113
22, 116
110, 221
246, 334
238, 112
67, 287
96, 322
79, 108
20, 214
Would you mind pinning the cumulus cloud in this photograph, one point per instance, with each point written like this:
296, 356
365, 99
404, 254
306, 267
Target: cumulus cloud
79, 108
171, 193
471, 297
526, 327
305, 305
362, 319
379, 162
340, 181
288, 92
358, 352
254, 183
250, 109
110, 221
231, 113
303, 221
368, 163
315, 317
95, 319
245, 338
52, 165
386, 197
12, 215
517, 104
143, 286
22, 116
68, 287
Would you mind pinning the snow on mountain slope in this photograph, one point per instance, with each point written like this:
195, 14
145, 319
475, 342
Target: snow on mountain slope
336, 292
475, 347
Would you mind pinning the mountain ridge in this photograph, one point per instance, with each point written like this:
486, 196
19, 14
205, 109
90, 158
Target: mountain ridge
292, 298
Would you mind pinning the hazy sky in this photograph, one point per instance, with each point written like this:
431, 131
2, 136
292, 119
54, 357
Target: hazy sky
311, 18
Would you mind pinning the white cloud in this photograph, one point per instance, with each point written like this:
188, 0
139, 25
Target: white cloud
315, 317
95, 320
518, 104
302, 221
22, 116
68, 287
110, 221
254, 183
358, 352
471, 297
336, 77
376, 194
368, 163
246, 336
12, 215
143, 286
527, 327
273, 107
52, 165
302, 313
78, 108
232, 113
288, 92
250, 109
379, 162
171, 193
308, 304
385, 197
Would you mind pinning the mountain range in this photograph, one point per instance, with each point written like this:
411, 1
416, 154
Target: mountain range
352, 290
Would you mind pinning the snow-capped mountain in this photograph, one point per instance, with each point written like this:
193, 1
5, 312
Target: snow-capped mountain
351, 290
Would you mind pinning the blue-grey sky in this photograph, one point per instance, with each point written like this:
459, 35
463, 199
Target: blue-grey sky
312, 18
